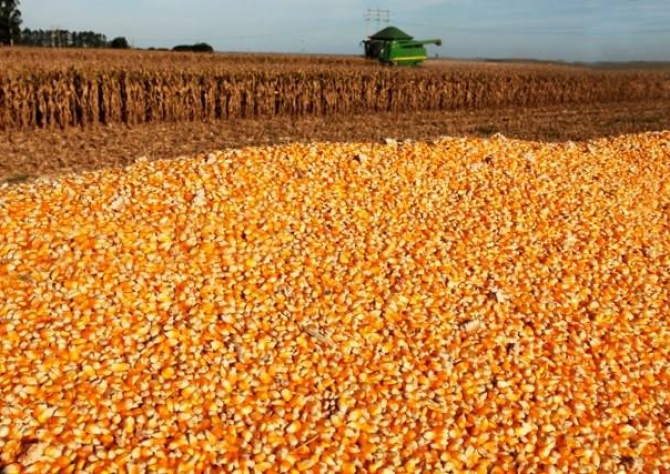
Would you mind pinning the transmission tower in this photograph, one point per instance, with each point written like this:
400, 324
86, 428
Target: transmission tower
377, 15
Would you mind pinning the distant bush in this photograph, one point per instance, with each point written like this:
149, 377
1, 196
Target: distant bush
195, 48
119, 43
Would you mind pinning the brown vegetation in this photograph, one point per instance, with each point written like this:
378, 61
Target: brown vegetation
47, 89
33, 152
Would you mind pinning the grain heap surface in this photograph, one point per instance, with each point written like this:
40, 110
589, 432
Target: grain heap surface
463, 305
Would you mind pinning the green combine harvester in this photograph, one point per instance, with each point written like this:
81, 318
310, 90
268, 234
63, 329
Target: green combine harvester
395, 47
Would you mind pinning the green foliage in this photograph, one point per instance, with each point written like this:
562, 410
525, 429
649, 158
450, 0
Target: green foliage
119, 43
10, 22
195, 48
63, 39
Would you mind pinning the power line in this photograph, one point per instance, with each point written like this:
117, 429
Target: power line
379, 16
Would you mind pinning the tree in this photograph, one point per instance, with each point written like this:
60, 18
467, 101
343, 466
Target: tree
62, 39
196, 48
10, 22
119, 42
27, 37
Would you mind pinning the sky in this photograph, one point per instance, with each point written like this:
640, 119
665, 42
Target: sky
568, 30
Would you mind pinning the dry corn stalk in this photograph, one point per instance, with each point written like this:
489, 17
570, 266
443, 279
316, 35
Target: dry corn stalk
59, 89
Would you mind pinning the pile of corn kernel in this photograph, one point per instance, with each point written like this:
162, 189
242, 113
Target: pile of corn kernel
465, 305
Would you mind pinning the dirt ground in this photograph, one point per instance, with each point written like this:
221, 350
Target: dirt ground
31, 153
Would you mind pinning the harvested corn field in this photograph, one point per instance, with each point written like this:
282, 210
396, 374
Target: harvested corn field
460, 305
31, 153
61, 89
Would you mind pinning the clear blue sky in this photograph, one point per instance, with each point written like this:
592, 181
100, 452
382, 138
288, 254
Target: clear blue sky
573, 30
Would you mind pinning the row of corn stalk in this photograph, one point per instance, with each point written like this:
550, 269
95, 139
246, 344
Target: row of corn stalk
77, 97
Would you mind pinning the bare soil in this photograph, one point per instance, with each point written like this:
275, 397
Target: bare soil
31, 153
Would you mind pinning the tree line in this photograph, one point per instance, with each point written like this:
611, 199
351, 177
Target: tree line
12, 34
62, 39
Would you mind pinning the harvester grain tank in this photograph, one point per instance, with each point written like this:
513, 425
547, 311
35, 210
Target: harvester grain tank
393, 46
